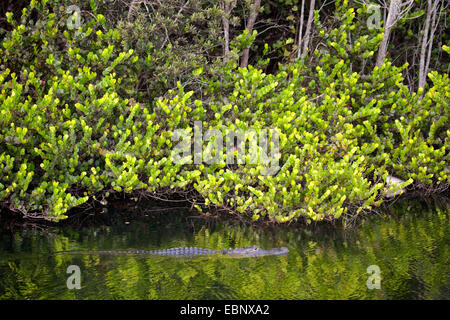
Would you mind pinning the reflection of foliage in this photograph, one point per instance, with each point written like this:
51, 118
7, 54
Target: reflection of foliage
412, 252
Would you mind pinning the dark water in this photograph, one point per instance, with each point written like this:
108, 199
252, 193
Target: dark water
411, 247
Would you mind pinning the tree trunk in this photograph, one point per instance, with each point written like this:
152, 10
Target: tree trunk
391, 20
427, 41
251, 22
228, 5
300, 31
308, 27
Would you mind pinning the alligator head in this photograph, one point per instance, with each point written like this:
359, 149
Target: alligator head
255, 251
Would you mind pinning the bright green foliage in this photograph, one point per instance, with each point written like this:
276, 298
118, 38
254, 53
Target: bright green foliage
73, 126
337, 147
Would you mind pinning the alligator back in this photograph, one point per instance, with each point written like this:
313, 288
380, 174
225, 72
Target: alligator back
183, 251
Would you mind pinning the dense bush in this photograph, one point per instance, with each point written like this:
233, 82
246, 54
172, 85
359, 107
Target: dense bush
74, 126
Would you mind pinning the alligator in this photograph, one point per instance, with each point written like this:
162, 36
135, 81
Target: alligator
252, 251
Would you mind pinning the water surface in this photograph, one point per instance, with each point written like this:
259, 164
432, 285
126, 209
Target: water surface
411, 247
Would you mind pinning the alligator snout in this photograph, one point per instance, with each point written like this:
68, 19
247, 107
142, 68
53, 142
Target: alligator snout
255, 251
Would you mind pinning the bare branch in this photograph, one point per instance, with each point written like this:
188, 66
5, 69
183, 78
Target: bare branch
397, 9
227, 7
308, 27
300, 31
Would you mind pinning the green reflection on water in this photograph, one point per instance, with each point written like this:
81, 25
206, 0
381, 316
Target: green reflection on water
411, 247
